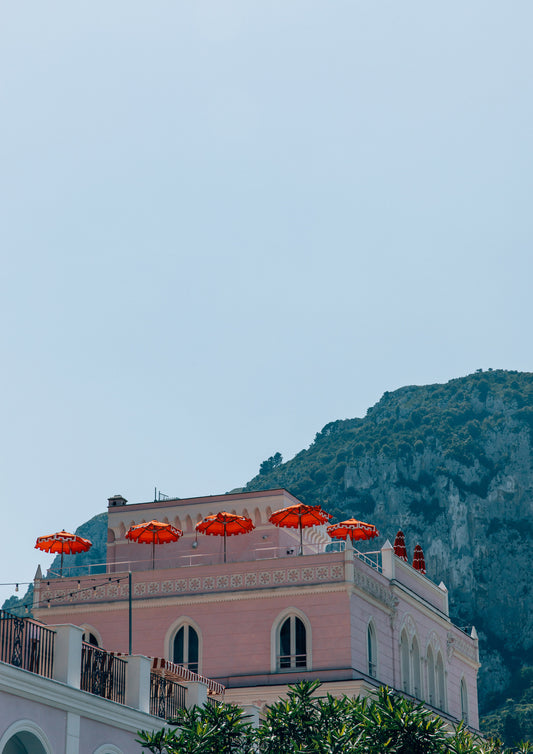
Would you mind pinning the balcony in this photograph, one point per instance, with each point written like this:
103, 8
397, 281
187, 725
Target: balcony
26, 644
103, 674
59, 654
166, 697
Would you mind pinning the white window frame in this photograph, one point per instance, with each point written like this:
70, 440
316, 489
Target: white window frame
464, 700
405, 661
431, 696
416, 669
275, 641
182, 622
440, 683
372, 649
88, 629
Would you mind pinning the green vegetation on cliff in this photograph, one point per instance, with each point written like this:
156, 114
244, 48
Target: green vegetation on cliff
453, 419
452, 465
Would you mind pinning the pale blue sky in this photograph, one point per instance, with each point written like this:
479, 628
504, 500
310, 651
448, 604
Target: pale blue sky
224, 224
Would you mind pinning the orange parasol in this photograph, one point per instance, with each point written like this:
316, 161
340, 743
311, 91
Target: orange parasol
418, 560
152, 533
225, 524
354, 529
399, 546
299, 516
63, 542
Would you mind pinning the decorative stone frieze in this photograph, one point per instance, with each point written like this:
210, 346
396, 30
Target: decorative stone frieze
457, 645
376, 590
217, 583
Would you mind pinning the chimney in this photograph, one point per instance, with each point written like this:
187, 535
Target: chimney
116, 500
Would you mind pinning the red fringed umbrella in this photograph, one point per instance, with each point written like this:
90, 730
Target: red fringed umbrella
225, 524
356, 530
154, 533
418, 560
63, 542
299, 516
399, 546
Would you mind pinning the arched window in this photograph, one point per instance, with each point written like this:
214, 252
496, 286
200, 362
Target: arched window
371, 649
292, 644
415, 666
90, 638
431, 678
24, 737
464, 700
405, 663
23, 743
439, 682
186, 648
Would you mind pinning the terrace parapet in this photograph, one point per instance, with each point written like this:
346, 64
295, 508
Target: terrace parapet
380, 574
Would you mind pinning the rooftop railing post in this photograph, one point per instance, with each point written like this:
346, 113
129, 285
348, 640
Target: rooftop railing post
348, 561
138, 683
67, 654
196, 694
130, 621
387, 561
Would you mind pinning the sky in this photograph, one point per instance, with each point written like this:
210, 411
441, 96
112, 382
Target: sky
225, 224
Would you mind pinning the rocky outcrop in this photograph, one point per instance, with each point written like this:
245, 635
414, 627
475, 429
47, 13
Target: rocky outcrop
452, 465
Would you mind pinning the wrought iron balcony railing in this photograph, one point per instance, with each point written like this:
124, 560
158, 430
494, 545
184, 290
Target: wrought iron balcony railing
166, 697
26, 644
102, 673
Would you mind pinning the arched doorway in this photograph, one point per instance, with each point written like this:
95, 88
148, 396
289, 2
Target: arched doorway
24, 743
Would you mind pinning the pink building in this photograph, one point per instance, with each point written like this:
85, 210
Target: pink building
270, 616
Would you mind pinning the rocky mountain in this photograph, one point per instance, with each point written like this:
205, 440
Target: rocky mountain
452, 465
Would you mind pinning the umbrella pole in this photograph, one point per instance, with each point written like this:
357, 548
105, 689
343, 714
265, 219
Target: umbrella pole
301, 542
224, 541
61, 567
153, 554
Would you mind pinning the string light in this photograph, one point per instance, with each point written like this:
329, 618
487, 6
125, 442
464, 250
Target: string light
46, 602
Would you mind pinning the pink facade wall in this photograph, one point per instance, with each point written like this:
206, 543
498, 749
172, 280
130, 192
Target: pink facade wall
236, 607
94, 734
52, 723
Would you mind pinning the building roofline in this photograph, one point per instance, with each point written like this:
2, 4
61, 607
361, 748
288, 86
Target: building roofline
277, 492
